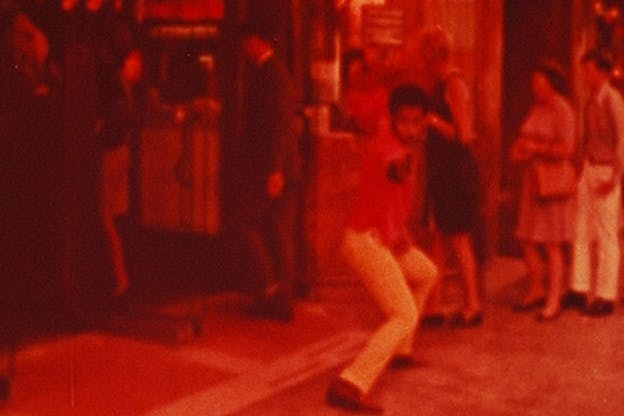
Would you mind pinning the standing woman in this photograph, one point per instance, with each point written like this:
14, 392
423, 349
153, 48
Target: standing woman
547, 134
452, 174
119, 124
365, 98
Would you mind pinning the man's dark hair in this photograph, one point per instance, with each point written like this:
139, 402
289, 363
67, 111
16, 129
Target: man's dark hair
408, 95
555, 75
602, 59
349, 58
260, 28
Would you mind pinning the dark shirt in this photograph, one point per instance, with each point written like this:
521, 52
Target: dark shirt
271, 134
271, 120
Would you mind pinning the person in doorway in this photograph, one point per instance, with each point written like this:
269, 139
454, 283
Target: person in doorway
548, 134
378, 248
30, 162
452, 176
597, 216
120, 114
271, 173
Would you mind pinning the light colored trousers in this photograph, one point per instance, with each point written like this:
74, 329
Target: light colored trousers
386, 278
596, 221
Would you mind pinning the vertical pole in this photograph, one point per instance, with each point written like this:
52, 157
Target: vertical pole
488, 100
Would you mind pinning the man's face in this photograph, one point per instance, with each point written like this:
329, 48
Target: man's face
357, 75
252, 48
408, 124
592, 75
133, 67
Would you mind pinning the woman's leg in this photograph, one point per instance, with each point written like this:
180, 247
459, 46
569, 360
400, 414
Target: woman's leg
462, 245
554, 252
118, 258
535, 272
114, 201
435, 304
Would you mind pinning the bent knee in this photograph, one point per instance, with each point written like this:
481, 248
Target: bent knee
407, 317
431, 273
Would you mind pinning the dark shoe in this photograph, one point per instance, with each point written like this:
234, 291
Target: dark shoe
462, 320
281, 312
600, 307
5, 388
127, 300
303, 290
346, 395
574, 300
403, 362
275, 307
528, 305
433, 320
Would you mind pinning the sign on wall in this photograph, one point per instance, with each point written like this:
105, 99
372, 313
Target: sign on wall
186, 10
383, 25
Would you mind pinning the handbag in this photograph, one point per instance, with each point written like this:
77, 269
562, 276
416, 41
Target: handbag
554, 180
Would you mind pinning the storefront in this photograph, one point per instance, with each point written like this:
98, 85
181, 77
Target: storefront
189, 151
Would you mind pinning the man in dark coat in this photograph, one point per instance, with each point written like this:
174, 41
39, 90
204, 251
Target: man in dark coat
272, 172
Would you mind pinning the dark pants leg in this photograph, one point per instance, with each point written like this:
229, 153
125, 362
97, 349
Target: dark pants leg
271, 242
285, 223
261, 257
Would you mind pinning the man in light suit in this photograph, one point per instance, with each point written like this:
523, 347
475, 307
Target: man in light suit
599, 191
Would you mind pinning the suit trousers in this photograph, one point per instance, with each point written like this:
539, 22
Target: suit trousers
596, 222
271, 241
387, 278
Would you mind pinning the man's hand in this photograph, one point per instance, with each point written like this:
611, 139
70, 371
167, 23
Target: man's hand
275, 185
437, 123
402, 245
523, 149
399, 170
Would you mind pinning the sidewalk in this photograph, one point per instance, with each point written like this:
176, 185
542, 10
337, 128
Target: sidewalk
248, 367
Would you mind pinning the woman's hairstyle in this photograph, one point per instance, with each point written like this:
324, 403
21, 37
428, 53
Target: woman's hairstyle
434, 45
602, 59
408, 95
261, 28
350, 57
555, 75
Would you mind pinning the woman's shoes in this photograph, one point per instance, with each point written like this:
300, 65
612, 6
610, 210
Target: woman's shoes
548, 315
403, 362
528, 304
467, 320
